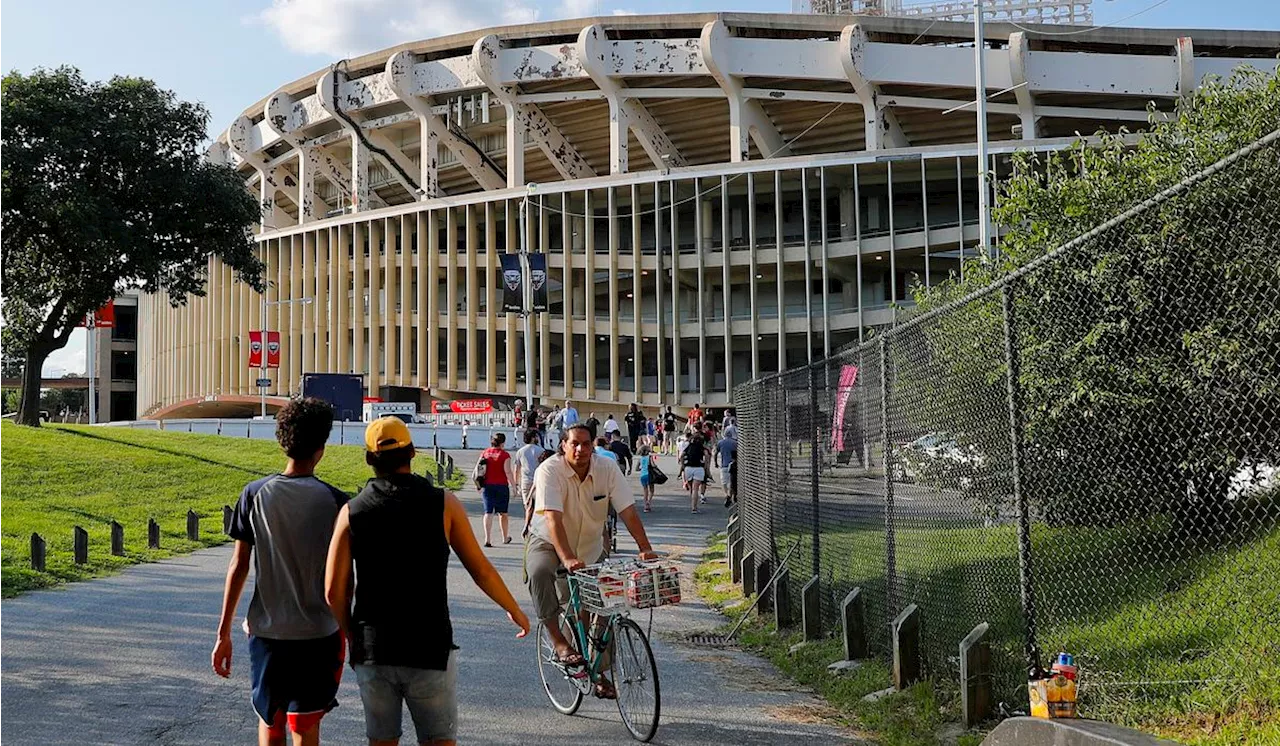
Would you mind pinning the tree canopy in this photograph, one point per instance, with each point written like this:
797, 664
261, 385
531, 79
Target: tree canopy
1150, 355
105, 188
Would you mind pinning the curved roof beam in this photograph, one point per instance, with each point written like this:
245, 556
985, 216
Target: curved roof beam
881, 123
344, 103
401, 71
595, 53
313, 160
272, 179
1018, 53
747, 118
524, 117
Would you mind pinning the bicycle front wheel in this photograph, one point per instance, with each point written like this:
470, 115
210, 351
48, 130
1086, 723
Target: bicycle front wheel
564, 691
635, 675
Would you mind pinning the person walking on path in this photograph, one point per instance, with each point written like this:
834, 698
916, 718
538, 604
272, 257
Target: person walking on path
593, 424
393, 542
527, 460
694, 460
573, 492
499, 475
569, 416
726, 453
647, 460
283, 524
669, 431
635, 420
619, 448
611, 426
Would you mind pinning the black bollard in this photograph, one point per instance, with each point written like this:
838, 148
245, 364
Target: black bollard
37, 553
153, 534
80, 539
117, 539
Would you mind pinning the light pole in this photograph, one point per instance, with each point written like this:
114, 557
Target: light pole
526, 282
262, 369
980, 95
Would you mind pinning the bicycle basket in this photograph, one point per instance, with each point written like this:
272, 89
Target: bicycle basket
602, 588
652, 584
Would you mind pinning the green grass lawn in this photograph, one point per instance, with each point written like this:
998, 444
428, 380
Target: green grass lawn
60, 476
1176, 638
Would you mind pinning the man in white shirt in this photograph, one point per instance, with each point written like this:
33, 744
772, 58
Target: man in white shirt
573, 493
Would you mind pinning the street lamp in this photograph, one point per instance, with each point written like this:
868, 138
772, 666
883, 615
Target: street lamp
262, 370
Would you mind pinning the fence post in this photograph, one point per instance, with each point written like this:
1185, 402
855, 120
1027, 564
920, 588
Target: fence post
227, 514
815, 467
37, 552
890, 548
117, 539
193, 526
153, 534
80, 539
1026, 576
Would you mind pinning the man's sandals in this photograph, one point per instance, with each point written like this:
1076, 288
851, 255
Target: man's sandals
606, 690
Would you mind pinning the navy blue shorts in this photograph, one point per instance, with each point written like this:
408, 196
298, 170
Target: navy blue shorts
295, 681
497, 498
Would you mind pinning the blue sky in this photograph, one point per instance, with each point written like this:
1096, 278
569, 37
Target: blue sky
230, 54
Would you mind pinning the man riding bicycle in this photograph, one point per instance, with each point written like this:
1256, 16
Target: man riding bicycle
573, 492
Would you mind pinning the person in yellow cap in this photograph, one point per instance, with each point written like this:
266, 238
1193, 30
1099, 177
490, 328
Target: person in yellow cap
403, 526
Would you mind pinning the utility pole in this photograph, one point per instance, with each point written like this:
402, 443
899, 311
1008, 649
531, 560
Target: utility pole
262, 370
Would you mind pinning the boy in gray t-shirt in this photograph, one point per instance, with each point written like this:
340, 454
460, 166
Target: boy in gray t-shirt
284, 523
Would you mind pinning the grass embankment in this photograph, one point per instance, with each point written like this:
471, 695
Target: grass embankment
58, 477
1181, 633
922, 714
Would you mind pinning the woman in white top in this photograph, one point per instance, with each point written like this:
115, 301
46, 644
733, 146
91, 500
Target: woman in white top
526, 463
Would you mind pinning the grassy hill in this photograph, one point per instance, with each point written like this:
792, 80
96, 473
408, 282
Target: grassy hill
59, 476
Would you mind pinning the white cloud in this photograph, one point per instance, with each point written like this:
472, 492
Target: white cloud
347, 28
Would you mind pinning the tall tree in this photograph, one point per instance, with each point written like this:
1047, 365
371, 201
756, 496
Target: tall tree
1149, 355
105, 188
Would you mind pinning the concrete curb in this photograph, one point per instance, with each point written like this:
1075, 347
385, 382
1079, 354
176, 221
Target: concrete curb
1026, 731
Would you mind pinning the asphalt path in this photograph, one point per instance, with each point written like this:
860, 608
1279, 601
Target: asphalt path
125, 660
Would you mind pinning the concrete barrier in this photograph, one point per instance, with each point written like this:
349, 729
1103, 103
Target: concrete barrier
1025, 731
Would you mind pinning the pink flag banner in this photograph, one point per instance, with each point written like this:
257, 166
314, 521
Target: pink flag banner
848, 377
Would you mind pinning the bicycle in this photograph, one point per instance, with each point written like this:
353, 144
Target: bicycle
604, 591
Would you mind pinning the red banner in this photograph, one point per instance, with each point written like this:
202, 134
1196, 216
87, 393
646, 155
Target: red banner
103, 318
255, 349
848, 378
273, 349
462, 406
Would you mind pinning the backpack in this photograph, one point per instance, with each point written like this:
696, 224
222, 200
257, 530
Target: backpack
656, 475
477, 474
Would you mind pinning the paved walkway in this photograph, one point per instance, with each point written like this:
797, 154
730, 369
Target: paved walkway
125, 660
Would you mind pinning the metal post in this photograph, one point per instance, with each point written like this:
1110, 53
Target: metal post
89, 328
262, 359
815, 464
980, 93
890, 543
1025, 573
526, 281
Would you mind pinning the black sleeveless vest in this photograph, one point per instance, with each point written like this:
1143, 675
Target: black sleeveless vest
401, 614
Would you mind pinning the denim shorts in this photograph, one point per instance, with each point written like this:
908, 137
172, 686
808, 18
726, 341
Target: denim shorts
432, 697
496, 498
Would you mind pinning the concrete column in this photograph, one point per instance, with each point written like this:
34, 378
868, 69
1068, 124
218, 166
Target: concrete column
377, 238
407, 225
589, 354
359, 316
426, 320
320, 308
429, 317
473, 293
848, 223
614, 298
451, 294
391, 294
492, 298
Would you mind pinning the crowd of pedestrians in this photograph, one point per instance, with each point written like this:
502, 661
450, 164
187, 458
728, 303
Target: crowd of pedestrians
329, 572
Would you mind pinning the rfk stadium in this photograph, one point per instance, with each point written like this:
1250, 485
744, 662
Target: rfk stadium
713, 196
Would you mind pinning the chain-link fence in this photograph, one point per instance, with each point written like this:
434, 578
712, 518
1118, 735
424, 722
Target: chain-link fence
1116, 497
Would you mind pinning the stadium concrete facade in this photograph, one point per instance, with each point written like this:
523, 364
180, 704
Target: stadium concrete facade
719, 196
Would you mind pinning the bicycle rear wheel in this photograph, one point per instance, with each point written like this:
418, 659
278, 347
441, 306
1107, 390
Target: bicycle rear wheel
635, 676
563, 688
